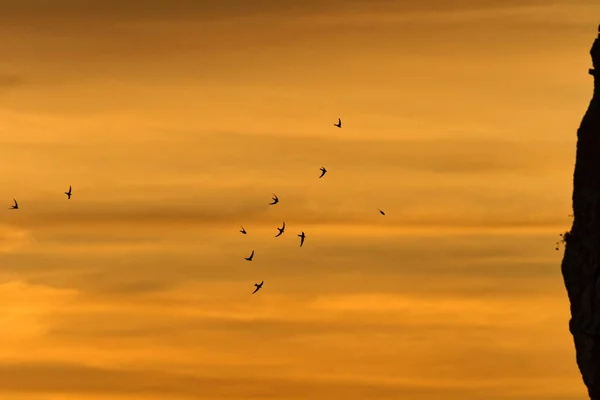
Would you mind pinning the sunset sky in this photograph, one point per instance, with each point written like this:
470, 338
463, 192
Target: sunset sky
175, 122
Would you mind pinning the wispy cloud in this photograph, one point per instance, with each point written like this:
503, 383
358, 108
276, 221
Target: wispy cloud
10, 80
88, 380
176, 121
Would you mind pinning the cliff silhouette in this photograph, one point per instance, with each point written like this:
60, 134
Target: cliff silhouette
580, 264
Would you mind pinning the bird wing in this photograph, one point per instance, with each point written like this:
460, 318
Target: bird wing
256, 290
69, 188
283, 227
16, 204
339, 120
252, 255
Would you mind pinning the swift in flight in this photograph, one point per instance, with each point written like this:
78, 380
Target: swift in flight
258, 286
302, 236
280, 230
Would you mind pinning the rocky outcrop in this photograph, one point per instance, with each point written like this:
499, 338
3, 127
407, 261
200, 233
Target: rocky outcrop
580, 264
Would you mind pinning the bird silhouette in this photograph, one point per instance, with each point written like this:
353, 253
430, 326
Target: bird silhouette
275, 200
68, 193
243, 230
339, 124
258, 286
323, 172
251, 256
381, 212
280, 230
16, 206
302, 236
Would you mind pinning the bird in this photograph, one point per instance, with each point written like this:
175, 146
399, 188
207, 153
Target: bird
323, 172
280, 230
68, 193
381, 212
251, 256
302, 236
258, 286
16, 206
243, 230
275, 200
339, 124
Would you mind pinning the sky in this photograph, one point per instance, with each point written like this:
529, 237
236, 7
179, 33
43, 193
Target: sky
176, 121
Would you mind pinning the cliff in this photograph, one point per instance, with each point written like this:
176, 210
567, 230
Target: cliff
580, 264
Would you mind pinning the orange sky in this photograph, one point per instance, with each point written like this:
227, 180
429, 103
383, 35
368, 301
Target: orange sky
175, 121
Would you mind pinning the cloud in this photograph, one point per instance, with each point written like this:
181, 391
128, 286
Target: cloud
226, 179
396, 339
12, 238
8, 81
215, 155
144, 267
208, 10
283, 317
480, 264
25, 309
84, 380
157, 28
209, 330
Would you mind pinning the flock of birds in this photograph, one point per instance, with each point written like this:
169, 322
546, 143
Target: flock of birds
281, 230
16, 205
275, 199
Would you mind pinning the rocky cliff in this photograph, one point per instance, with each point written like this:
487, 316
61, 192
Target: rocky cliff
580, 264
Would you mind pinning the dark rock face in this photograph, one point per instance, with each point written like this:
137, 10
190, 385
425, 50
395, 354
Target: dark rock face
581, 261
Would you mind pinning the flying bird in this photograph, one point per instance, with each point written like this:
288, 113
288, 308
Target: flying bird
339, 124
68, 193
16, 206
381, 212
302, 236
323, 172
243, 230
280, 230
275, 200
258, 286
251, 256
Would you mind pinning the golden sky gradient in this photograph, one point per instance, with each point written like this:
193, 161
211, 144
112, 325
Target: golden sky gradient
175, 121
